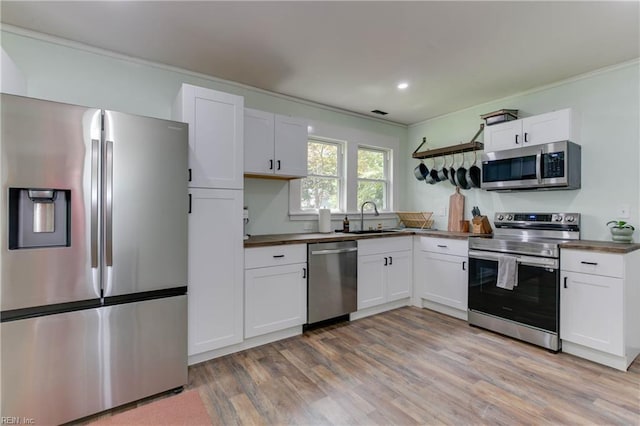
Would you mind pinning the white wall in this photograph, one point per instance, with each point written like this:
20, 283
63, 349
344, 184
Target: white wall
68, 72
607, 106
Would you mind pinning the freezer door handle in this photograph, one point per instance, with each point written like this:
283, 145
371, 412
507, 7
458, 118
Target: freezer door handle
108, 201
95, 156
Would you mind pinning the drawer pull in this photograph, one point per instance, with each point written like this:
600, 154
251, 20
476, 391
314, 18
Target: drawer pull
589, 263
390, 260
275, 256
386, 261
442, 246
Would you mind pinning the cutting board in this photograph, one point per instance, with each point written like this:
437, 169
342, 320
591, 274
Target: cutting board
456, 211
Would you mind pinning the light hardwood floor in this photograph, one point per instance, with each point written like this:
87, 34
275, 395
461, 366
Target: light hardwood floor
412, 366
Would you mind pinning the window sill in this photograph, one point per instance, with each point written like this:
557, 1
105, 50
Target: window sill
293, 216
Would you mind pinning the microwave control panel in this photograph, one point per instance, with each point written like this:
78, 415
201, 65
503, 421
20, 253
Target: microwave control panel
553, 165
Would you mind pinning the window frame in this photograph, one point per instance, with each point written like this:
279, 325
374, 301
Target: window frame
351, 138
295, 202
387, 153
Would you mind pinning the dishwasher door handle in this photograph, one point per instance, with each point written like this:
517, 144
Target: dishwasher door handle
335, 251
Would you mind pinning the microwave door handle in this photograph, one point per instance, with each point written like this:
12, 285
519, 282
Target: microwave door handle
539, 168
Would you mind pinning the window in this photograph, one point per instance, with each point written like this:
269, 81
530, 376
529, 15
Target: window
345, 168
373, 176
322, 188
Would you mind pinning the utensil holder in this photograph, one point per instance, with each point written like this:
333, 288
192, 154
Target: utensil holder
481, 225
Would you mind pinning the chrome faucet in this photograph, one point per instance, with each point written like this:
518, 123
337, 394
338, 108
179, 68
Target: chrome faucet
375, 209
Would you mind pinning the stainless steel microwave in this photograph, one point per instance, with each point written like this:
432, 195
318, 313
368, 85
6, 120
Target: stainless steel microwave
538, 167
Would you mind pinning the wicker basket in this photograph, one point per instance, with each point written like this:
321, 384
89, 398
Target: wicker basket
420, 220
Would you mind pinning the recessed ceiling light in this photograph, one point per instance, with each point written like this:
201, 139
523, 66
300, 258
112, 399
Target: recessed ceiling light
403, 85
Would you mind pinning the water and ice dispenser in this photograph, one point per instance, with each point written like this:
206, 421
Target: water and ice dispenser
39, 218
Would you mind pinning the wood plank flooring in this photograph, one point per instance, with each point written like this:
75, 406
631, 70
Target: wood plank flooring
412, 366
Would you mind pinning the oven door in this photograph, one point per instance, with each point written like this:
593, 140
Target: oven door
534, 301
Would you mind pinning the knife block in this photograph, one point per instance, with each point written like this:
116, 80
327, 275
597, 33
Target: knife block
481, 225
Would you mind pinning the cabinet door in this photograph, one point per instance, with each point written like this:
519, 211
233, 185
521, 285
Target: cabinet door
258, 142
503, 136
215, 269
446, 280
290, 146
545, 128
371, 286
591, 311
215, 137
275, 298
398, 275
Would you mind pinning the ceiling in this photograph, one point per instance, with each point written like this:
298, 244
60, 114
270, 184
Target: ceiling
351, 55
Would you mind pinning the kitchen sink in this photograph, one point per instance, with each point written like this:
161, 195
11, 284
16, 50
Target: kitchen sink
375, 231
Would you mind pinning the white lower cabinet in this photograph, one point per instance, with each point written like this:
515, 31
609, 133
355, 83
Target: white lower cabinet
599, 299
441, 275
275, 282
215, 269
384, 271
591, 313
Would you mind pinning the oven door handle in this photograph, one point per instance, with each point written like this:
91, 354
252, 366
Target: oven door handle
522, 260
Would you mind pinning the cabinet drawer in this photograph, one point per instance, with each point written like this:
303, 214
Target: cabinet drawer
444, 246
260, 257
383, 245
590, 262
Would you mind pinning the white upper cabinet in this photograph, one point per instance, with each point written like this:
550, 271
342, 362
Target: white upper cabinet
275, 145
539, 129
215, 136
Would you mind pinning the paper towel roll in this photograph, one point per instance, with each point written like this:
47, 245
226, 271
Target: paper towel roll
324, 220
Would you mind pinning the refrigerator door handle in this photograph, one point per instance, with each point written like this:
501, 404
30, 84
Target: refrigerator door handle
108, 208
95, 156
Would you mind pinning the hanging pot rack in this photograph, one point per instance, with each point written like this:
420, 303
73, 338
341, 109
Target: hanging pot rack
453, 149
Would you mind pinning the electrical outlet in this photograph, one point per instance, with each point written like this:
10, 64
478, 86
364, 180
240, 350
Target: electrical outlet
308, 226
623, 212
442, 212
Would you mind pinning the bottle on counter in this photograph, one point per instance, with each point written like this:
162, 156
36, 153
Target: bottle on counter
345, 224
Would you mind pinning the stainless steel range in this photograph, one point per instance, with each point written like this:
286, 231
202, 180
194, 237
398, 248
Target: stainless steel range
514, 277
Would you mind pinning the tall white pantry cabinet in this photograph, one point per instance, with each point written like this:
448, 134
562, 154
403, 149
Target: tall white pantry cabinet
216, 267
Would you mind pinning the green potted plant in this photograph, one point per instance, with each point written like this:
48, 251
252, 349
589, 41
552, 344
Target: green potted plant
621, 231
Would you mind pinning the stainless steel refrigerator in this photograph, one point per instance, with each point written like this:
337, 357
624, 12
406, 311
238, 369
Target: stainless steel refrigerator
93, 259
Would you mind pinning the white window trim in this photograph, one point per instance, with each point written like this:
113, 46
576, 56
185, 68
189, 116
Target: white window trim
352, 139
388, 154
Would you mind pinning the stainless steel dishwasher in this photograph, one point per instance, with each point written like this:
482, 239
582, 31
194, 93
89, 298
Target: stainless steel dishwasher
333, 280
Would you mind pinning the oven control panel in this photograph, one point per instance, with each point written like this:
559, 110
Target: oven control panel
538, 218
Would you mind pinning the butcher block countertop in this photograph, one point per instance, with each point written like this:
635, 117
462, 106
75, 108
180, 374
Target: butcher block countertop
602, 246
316, 237
304, 238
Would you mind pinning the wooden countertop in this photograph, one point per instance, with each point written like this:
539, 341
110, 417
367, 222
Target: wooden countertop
315, 237
602, 246
304, 238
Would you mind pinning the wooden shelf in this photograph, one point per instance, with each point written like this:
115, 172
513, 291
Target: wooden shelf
453, 149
